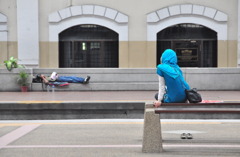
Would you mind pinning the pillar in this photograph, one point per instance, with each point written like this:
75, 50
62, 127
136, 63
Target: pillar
28, 32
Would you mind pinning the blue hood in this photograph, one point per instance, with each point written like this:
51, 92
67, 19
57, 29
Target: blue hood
169, 57
169, 64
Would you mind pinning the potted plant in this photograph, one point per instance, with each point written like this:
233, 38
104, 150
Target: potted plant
23, 80
12, 63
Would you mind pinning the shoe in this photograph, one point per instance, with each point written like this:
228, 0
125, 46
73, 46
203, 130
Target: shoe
183, 136
189, 136
86, 80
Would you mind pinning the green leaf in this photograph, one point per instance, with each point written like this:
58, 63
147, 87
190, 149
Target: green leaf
14, 65
8, 65
23, 78
11, 63
12, 59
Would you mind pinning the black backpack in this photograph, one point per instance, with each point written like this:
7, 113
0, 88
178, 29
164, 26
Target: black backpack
193, 96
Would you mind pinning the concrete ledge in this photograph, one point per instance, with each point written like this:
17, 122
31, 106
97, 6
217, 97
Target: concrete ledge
53, 105
31, 110
129, 79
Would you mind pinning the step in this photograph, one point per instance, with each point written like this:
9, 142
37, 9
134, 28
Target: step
113, 86
70, 110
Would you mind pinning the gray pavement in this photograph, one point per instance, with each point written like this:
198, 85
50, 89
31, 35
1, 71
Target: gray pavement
90, 96
114, 137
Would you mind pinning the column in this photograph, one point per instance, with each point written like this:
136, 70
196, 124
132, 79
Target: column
28, 32
238, 34
3, 38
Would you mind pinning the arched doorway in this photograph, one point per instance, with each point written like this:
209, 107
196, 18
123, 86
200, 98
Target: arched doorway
88, 46
195, 45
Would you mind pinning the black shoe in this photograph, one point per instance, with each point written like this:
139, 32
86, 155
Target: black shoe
86, 80
183, 136
189, 136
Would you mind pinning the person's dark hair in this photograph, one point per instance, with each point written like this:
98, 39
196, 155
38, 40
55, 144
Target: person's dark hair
37, 79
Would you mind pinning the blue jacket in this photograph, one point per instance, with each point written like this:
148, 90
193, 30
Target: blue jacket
174, 80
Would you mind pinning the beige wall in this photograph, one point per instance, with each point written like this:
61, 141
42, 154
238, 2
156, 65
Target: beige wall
137, 52
151, 57
227, 53
3, 53
44, 55
123, 54
232, 53
8, 49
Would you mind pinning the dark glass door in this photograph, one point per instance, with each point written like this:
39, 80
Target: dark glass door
88, 46
195, 45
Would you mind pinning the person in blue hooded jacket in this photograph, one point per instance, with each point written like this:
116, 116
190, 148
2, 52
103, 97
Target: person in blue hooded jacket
171, 82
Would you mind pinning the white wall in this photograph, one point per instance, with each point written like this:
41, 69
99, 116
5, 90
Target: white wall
88, 14
28, 32
3, 27
238, 33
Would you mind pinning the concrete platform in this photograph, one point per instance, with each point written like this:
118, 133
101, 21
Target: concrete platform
72, 105
117, 138
91, 105
113, 137
98, 96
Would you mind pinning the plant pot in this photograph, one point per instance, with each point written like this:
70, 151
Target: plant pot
24, 88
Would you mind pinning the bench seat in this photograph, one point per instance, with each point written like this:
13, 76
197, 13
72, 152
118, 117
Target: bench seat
152, 134
197, 110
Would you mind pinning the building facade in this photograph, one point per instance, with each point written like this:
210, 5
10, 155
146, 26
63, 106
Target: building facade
119, 34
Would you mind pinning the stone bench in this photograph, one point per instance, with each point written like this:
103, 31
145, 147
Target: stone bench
105, 79
152, 135
101, 79
128, 79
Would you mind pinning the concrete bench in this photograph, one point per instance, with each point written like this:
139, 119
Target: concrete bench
105, 79
127, 78
102, 79
152, 136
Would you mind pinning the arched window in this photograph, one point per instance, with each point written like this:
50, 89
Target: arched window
88, 45
195, 45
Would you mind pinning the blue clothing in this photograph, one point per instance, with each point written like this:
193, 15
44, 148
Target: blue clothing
70, 79
174, 80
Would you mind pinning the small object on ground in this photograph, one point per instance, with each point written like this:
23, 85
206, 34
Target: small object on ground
186, 136
189, 136
183, 136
